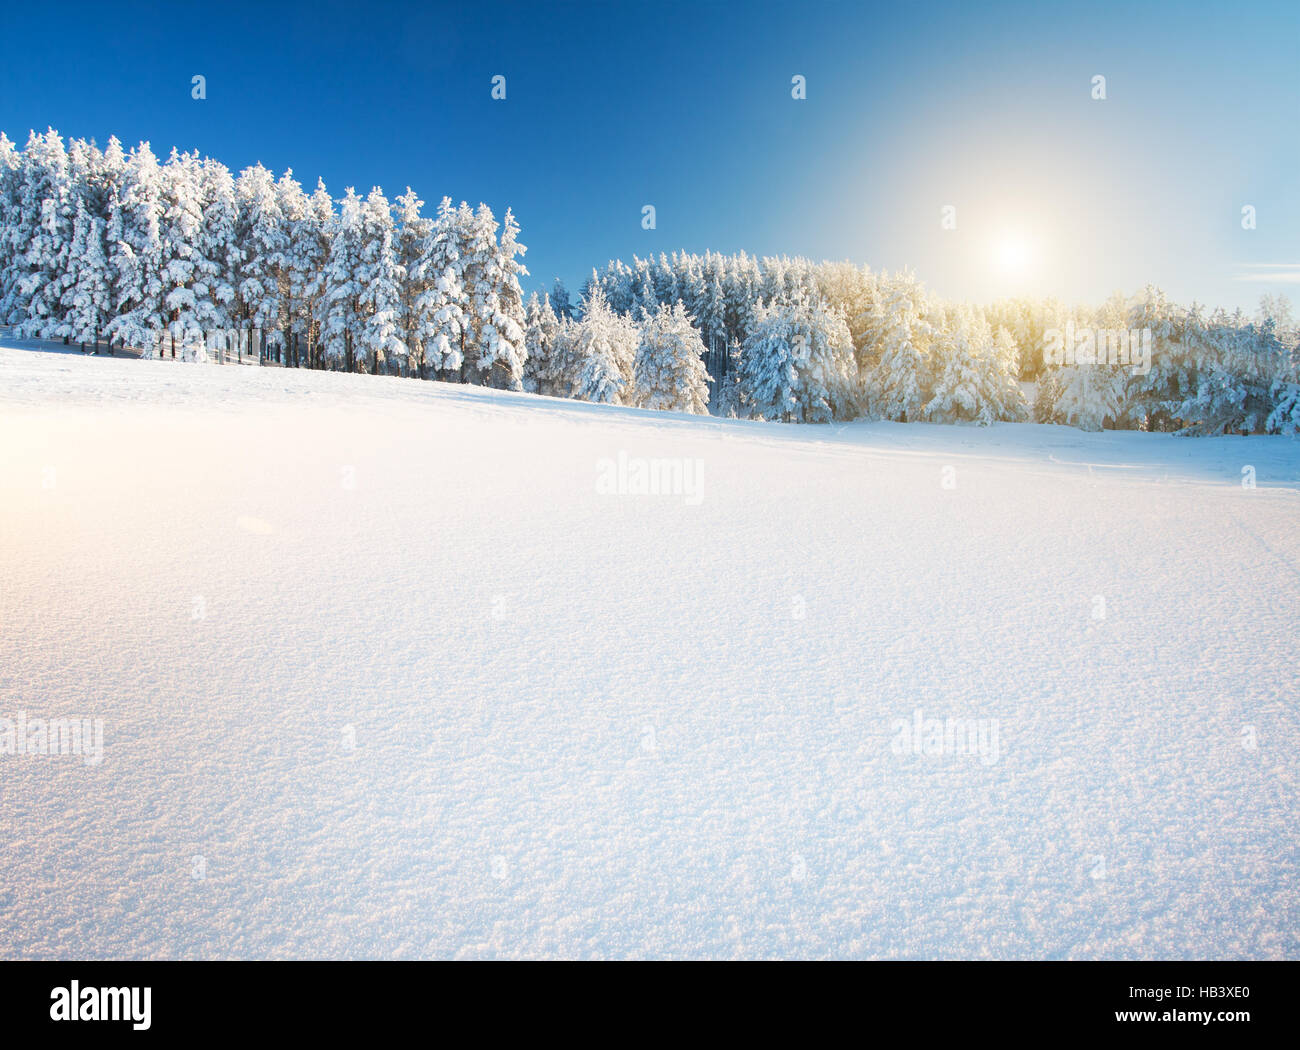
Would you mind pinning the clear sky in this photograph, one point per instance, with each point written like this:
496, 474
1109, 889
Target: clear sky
687, 106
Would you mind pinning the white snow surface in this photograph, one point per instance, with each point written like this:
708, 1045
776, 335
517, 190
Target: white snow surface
597, 726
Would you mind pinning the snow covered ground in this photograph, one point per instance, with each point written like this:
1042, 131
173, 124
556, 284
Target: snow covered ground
391, 668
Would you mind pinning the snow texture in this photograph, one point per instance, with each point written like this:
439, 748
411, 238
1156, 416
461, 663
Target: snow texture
384, 670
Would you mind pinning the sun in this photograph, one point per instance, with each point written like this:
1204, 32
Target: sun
1013, 254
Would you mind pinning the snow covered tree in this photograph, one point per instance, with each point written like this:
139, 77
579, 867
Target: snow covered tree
666, 283
312, 240
1005, 382
709, 308
896, 383
261, 235
560, 300
852, 290
645, 301
11, 186
218, 256
380, 279
1090, 394
490, 273
565, 367
341, 323
45, 235
181, 231
1047, 392
539, 341
955, 352
1265, 361
413, 241
474, 231
1233, 391
797, 365
604, 346
84, 160
296, 271
1277, 308
668, 372
730, 397
505, 343
86, 279
442, 302
89, 298
1180, 346
742, 279
1285, 417
135, 236
975, 378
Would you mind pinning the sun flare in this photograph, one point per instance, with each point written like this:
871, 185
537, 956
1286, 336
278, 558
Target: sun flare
1013, 254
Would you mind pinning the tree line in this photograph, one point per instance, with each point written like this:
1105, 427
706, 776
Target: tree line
114, 247
117, 246
792, 339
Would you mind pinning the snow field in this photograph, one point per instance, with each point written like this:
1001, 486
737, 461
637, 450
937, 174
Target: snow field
382, 672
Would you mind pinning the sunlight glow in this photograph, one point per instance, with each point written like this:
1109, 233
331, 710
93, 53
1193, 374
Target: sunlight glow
1013, 255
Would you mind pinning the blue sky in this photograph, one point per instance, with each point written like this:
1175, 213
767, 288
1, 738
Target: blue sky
687, 106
